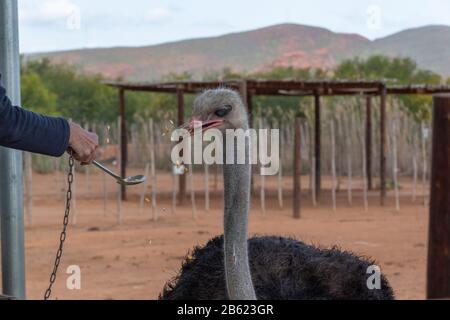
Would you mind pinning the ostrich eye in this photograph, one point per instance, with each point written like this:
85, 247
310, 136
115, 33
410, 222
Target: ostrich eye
224, 111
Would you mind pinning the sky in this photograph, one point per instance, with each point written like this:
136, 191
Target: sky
51, 25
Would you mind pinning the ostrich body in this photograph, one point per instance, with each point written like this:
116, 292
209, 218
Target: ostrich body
232, 267
281, 269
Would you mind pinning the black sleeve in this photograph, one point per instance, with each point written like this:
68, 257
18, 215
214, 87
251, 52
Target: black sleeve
25, 130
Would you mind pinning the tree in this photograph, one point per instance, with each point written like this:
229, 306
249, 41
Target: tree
62, 90
390, 70
398, 71
85, 98
81, 97
36, 96
282, 73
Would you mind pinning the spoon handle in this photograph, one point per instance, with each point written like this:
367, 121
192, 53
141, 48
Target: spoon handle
105, 169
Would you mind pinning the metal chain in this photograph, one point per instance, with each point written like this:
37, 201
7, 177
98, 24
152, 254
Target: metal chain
62, 237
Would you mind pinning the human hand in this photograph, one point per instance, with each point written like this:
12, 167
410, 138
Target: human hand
83, 143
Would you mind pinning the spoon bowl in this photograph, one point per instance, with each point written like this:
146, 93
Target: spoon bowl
131, 181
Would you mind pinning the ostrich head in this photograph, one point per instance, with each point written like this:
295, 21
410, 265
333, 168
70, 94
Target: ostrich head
223, 109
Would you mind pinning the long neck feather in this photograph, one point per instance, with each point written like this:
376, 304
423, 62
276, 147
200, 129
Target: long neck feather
237, 202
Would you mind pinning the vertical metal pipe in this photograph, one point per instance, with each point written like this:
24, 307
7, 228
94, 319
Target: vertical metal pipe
438, 272
11, 187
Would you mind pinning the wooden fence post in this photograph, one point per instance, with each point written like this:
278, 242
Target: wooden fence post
383, 146
297, 169
317, 144
123, 142
333, 164
369, 141
181, 178
438, 277
153, 169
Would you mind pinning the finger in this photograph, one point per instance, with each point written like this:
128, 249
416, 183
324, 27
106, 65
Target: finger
93, 138
94, 155
76, 156
91, 157
81, 157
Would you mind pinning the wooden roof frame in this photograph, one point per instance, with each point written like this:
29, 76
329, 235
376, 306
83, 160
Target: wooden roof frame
293, 88
284, 87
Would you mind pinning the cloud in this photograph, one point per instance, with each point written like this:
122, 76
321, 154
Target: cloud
48, 11
157, 15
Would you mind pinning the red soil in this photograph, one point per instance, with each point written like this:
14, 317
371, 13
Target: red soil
134, 260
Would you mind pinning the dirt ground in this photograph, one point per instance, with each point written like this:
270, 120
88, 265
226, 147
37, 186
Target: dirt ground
133, 260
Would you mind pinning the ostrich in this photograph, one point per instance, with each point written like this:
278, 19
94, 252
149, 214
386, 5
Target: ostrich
234, 267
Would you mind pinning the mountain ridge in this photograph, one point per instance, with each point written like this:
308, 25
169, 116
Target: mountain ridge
282, 45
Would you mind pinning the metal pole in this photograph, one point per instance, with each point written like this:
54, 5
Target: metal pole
11, 187
438, 273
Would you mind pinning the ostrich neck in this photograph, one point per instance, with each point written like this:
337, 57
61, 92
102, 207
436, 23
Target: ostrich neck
236, 200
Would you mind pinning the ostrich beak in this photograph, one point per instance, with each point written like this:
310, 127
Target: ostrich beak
195, 123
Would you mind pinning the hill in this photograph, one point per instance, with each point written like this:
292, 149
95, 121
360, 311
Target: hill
280, 45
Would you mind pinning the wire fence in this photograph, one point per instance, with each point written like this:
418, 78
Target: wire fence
343, 159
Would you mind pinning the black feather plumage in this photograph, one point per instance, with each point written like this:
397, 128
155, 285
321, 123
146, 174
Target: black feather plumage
282, 269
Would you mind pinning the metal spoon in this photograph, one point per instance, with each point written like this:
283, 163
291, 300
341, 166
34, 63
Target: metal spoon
130, 181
